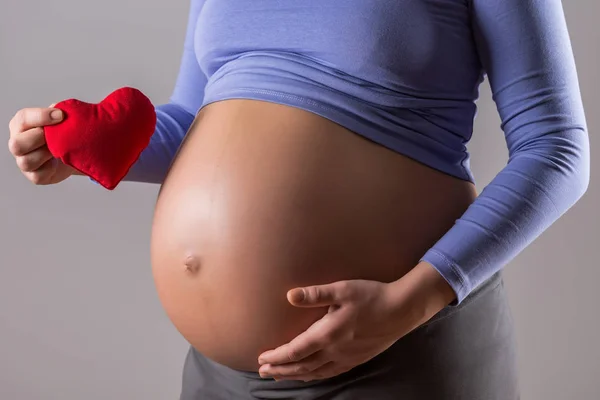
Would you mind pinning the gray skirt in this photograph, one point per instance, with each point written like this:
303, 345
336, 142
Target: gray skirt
466, 352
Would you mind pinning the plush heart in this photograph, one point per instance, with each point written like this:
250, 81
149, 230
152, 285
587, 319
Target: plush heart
103, 140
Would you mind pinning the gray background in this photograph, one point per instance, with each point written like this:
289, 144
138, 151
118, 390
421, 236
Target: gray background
79, 317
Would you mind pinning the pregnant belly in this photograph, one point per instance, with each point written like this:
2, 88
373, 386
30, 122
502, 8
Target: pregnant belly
262, 198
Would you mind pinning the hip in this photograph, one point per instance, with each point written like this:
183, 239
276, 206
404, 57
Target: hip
463, 353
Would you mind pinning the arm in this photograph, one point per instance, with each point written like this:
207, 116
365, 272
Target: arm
175, 117
524, 47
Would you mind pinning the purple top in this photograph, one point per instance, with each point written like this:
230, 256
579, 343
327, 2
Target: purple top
406, 74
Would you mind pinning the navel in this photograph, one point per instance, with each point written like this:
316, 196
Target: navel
192, 264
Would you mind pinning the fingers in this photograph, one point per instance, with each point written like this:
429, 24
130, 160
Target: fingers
303, 346
324, 371
319, 296
44, 174
29, 149
31, 161
303, 367
28, 118
26, 142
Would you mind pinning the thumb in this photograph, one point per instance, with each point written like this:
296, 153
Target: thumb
317, 296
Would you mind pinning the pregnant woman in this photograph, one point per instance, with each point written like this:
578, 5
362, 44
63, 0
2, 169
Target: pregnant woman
317, 234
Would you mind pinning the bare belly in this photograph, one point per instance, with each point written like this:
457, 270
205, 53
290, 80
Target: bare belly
262, 198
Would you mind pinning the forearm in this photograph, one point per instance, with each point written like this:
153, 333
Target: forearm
175, 117
524, 47
526, 198
171, 127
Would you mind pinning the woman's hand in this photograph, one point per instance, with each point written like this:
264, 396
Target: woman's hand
364, 319
27, 144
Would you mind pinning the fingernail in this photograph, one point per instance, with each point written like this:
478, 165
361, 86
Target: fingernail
56, 115
297, 295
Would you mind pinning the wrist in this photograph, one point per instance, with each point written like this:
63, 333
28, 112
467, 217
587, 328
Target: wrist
422, 293
434, 284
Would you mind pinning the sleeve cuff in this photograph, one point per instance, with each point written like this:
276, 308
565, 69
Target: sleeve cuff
450, 272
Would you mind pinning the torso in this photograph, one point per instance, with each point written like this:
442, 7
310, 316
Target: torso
262, 198
421, 48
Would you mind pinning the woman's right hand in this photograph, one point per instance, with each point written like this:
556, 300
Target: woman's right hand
27, 144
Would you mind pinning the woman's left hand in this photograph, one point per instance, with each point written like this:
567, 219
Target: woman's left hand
364, 319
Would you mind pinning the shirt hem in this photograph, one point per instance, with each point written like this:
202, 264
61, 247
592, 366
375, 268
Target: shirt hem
351, 122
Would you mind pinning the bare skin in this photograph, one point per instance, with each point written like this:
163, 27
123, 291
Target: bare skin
262, 198
27, 144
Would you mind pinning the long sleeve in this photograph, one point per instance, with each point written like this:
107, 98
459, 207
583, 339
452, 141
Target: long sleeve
173, 118
524, 47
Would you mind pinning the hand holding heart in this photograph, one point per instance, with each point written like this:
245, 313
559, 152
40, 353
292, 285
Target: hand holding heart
27, 144
100, 140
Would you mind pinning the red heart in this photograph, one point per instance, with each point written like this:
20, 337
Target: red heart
103, 140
